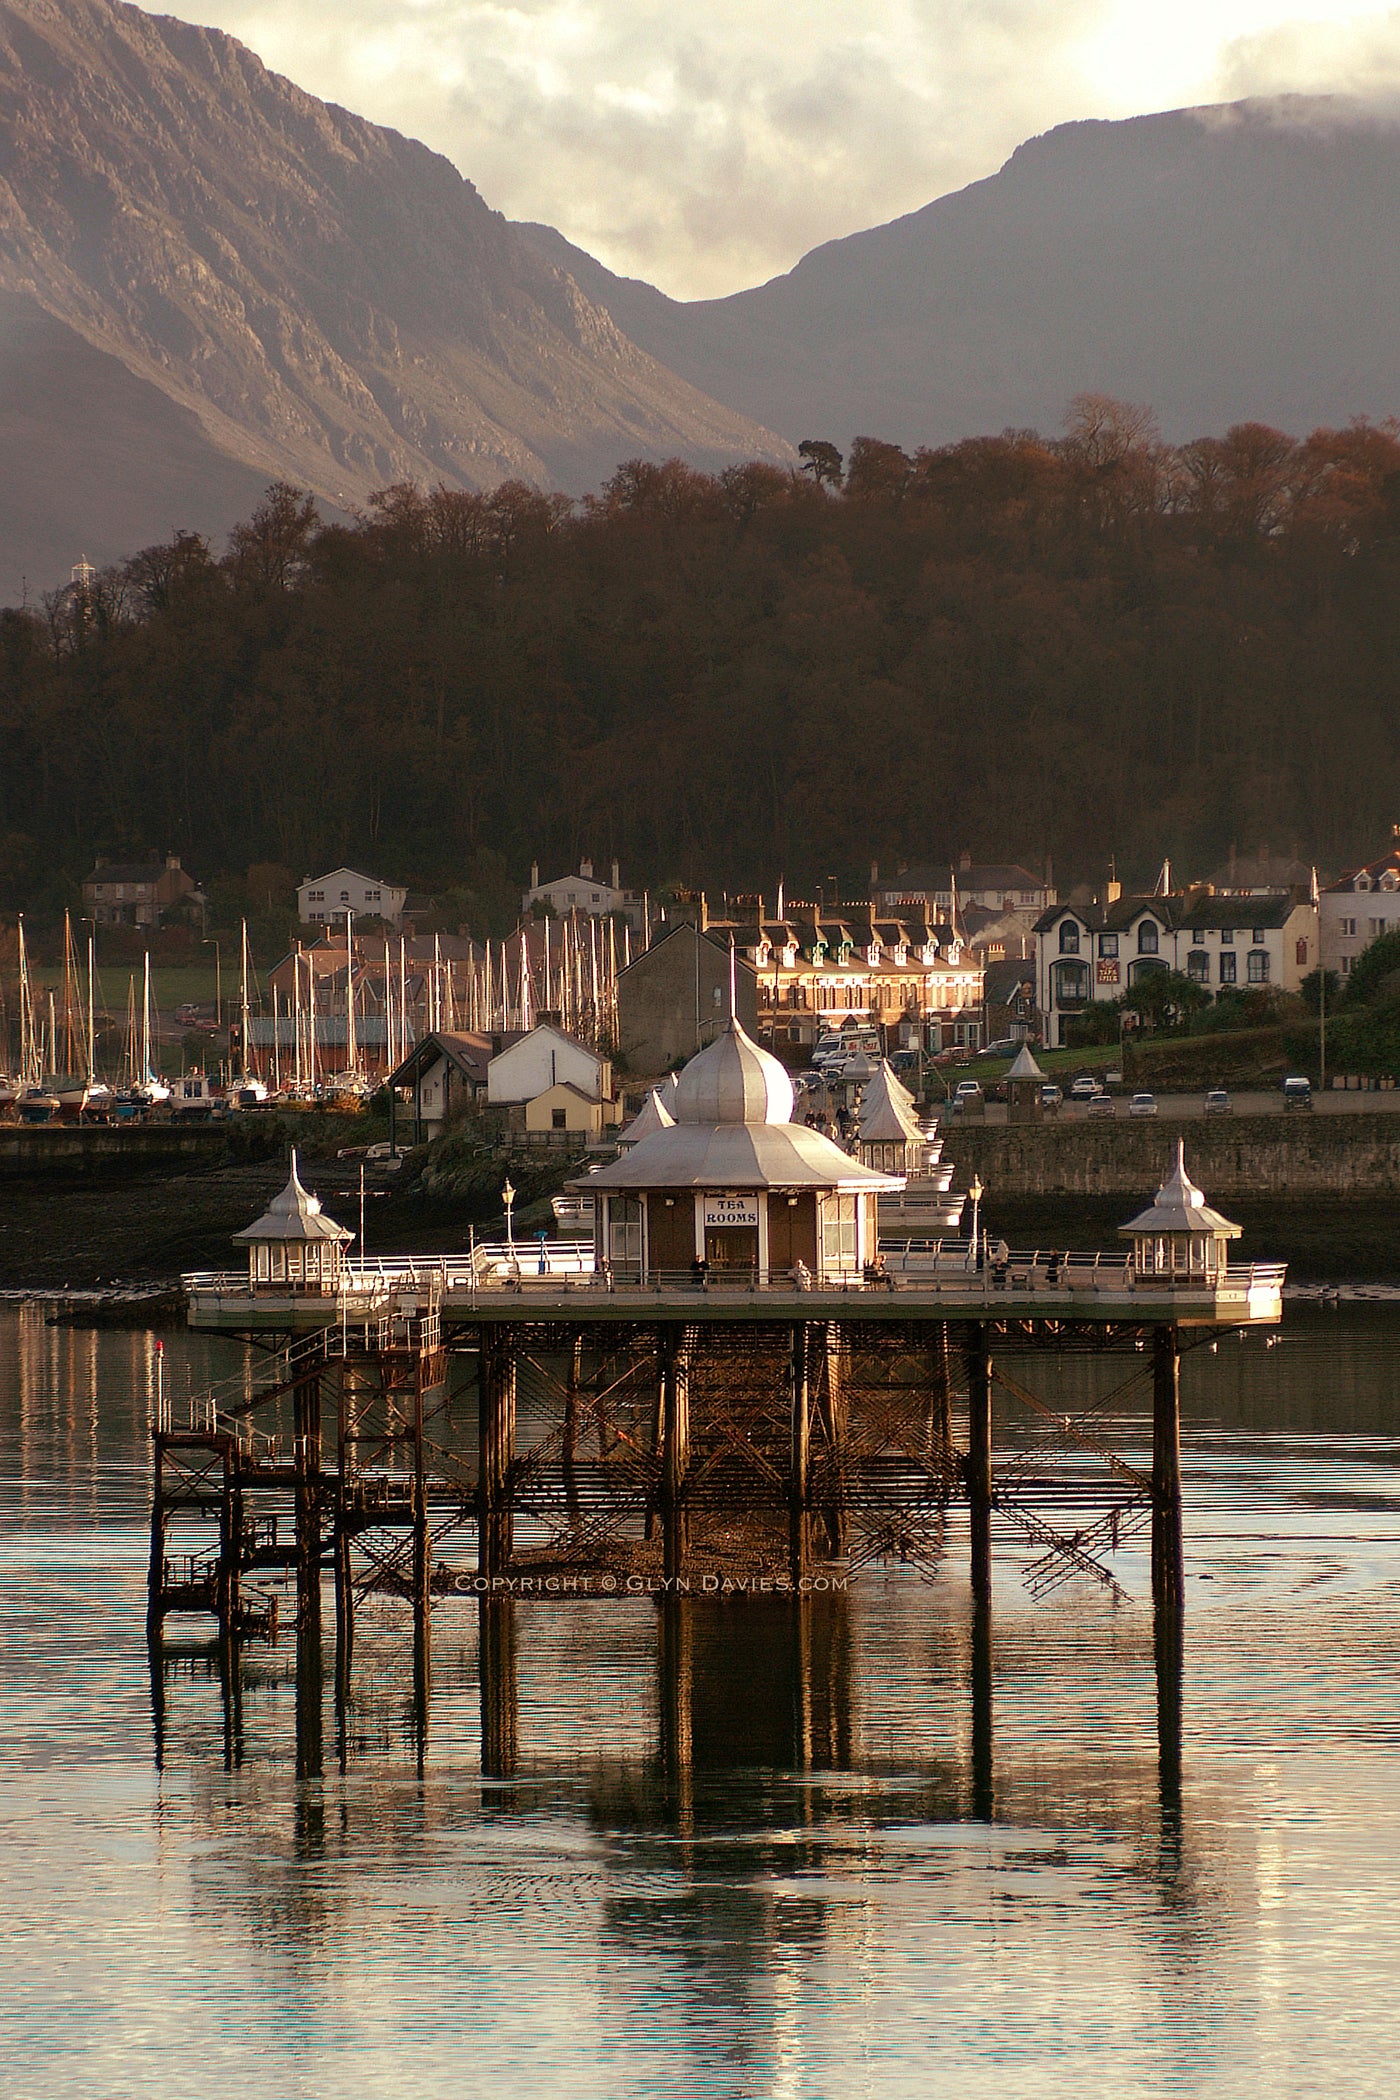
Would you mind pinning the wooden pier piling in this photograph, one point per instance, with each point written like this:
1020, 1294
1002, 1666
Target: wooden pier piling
496, 1393
1168, 1563
799, 1472
979, 1455
675, 1525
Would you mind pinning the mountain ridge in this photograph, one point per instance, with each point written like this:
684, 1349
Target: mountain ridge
1224, 263
331, 301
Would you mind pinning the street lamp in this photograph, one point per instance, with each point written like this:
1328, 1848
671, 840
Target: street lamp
508, 1198
977, 1192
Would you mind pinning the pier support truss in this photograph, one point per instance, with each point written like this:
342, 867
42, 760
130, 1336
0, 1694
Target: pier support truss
678, 1456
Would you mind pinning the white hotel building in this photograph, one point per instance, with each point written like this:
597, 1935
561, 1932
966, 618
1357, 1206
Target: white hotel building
1087, 953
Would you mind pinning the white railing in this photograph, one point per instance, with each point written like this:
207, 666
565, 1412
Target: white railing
939, 1269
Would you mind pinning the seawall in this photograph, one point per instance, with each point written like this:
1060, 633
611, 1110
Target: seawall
1232, 1156
70, 1152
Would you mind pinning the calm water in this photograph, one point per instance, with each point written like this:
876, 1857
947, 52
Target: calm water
817, 1902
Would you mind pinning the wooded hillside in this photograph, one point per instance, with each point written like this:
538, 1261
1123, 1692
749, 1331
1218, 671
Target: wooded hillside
1093, 646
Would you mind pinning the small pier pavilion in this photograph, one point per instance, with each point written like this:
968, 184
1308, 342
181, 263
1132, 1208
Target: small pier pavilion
731, 1385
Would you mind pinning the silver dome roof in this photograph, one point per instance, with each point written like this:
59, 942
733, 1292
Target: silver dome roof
733, 1081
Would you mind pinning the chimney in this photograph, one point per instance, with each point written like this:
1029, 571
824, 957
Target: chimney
615, 882
874, 874
964, 862
172, 860
1114, 891
585, 868
534, 874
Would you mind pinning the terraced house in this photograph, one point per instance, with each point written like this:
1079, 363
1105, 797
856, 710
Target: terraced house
1098, 952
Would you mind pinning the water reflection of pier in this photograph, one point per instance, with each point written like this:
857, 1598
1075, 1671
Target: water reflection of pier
770, 1685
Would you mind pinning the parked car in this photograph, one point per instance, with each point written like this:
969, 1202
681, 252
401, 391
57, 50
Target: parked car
967, 1090
1103, 1105
1112, 1078
1143, 1105
1051, 1096
1084, 1087
1218, 1102
1006, 1048
1297, 1093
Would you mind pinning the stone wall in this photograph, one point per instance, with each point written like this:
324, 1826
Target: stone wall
110, 1152
1233, 1156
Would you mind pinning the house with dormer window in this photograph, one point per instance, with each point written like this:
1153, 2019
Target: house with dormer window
1088, 953
1359, 909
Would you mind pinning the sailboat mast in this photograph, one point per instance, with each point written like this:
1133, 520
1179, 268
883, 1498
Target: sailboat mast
146, 1021
92, 1009
350, 1056
243, 999
28, 1031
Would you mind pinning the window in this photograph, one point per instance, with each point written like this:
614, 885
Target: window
1258, 965
1147, 937
1348, 929
839, 1249
1300, 954
1227, 968
1377, 926
1346, 965
1198, 966
1198, 936
1108, 944
1070, 983
1069, 938
1259, 936
559, 1117
345, 896
1227, 936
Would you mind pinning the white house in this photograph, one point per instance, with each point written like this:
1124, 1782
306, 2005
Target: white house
1098, 952
585, 892
324, 898
544, 1058
1358, 909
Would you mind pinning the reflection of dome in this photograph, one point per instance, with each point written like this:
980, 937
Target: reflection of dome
733, 1081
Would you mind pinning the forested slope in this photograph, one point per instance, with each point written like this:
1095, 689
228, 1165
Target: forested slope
1099, 646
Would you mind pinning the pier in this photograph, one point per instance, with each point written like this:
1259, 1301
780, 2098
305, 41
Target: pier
589, 1419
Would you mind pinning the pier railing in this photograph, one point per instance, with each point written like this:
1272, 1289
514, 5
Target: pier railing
927, 1272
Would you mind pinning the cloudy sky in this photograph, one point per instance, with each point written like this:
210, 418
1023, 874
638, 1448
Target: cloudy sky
707, 144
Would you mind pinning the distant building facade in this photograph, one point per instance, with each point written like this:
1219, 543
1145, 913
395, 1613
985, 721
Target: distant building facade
322, 899
587, 893
138, 893
673, 999
1097, 952
1007, 892
819, 970
1358, 910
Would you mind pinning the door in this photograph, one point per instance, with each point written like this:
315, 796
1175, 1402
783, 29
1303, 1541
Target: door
731, 1247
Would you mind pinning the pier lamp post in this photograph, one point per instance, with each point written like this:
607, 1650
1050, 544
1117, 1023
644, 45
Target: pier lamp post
977, 1192
508, 1198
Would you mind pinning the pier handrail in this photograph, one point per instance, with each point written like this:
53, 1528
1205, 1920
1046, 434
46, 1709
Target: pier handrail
944, 1269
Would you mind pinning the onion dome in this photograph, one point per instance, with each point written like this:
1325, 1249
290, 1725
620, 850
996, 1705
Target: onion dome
1180, 1206
733, 1081
293, 1215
